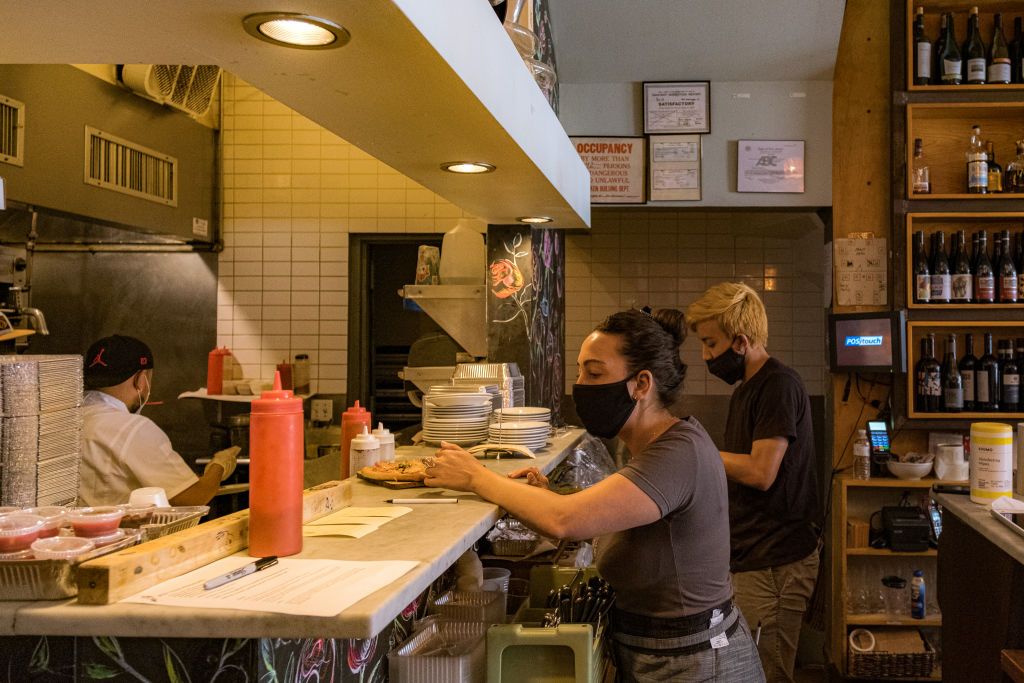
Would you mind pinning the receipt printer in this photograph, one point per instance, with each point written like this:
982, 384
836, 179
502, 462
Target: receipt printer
906, 528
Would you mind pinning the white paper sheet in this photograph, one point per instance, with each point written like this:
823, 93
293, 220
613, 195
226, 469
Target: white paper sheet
319, 588
347, 530
385, 511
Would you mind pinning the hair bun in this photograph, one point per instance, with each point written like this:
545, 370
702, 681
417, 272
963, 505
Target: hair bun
672, 321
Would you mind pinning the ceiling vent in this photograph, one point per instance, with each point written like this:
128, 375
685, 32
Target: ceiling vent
12, 131
116, 164
190, 89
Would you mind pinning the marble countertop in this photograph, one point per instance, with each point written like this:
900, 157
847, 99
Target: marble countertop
433, 535
979, 518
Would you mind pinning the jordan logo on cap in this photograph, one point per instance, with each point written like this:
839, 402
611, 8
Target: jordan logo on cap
98, 360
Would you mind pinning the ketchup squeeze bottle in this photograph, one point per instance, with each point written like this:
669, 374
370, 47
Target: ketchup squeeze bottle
276, 451
352, 422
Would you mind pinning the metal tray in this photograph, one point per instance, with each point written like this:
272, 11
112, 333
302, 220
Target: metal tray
167, 521
52, 579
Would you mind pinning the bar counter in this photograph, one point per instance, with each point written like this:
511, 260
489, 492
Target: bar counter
980, 590
433, 535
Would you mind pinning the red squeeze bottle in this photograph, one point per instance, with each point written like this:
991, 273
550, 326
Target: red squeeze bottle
215, 371
275, 473
352, 421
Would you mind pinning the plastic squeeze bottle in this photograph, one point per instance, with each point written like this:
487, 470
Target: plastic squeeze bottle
352, 422
387, 442
215, 371
364, 450
276, 452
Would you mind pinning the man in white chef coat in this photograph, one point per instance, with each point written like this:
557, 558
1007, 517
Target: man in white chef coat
123, 450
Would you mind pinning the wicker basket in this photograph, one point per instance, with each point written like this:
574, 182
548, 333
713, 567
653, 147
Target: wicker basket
884, 664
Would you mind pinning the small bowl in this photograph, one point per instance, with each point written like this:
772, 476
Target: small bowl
909, 470
18, 530
54, 516
92, 522
61, 547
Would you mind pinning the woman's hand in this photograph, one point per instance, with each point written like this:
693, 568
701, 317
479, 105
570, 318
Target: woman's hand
533, 476
453, 468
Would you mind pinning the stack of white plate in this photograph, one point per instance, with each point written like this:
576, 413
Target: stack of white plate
456, 417
529, 433
530, 413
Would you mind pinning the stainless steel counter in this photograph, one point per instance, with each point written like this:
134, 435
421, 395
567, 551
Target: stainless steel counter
433, 535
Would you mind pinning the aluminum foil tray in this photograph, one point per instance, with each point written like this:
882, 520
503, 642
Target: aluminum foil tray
166, 521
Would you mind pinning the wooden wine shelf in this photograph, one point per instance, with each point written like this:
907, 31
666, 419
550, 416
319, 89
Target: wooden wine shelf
849, 481
989, 87
883, 620
885, 552
983, 197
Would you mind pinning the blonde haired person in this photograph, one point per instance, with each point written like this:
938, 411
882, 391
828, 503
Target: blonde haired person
769, 459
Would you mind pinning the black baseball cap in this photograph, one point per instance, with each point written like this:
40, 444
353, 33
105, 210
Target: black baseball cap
112, 360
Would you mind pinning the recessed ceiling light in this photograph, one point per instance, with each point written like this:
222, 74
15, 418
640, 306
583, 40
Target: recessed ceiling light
296, 30
535, 219
467, 167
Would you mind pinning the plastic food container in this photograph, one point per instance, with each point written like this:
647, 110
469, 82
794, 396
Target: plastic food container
61, 547
8, 508
106, 539
441, 651
92, 522
53, 515
485, 606
18, 530
137, 515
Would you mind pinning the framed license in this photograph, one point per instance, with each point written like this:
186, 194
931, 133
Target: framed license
617, 168
770, 166
674, 167
677, 107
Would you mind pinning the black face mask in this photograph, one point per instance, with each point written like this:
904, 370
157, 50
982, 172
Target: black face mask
603, 408
728, 367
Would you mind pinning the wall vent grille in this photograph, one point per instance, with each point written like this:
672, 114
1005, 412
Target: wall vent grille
116, 164
12, 131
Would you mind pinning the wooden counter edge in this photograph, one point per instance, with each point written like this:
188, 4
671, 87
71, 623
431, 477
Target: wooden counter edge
1013, 665
109, 578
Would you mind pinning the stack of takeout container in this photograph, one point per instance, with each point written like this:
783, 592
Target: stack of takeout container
456, 417
506, 376
40, 429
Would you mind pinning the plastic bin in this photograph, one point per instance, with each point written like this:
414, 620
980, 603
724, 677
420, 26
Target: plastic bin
522, 654
482, 606
441, 652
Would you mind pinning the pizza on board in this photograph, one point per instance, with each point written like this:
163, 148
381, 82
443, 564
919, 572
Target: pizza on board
397, 470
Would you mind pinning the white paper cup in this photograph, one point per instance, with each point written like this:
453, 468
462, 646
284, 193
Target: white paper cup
150, 495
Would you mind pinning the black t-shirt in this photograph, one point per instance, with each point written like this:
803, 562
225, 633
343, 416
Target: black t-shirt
773, 527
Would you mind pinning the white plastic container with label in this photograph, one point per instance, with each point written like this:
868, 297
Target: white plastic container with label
991, 461
387, 442
364, 451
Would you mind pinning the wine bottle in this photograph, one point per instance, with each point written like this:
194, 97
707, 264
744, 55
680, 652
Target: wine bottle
995, 171
999, 65
950, 59
922, 273
928, 387
1013, 181
977, 163
941, 275
986, 380
974, 51
1016, 50
922, 51
984, 275
952, 381
967, 368
1008, 277
962, 279
1010, 401
921, 175
1018, 260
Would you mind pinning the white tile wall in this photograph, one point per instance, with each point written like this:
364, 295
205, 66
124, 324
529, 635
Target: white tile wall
291, 194
662, 258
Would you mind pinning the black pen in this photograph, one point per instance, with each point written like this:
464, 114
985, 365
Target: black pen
250, 568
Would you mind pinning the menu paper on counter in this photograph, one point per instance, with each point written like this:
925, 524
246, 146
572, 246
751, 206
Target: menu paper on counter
616, 166
316, 588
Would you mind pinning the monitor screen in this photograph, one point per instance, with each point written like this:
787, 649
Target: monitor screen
867, 342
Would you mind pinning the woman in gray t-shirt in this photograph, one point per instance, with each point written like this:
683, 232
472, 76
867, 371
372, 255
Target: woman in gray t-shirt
661, 521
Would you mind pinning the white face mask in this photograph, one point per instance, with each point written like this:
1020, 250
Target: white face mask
143, 401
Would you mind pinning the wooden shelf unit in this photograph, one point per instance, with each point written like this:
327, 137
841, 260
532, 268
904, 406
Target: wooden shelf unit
949, 223
945, 128
916, 330
932, 19
855, 499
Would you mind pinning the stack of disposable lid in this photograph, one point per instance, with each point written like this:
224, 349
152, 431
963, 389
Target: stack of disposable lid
510, 381
40, 429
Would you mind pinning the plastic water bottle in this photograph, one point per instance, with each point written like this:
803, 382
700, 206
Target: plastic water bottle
862, 455
917, 595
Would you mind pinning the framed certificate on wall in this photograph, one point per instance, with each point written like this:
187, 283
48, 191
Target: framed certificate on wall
677, 107
770, 166
674, 167
617, 168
